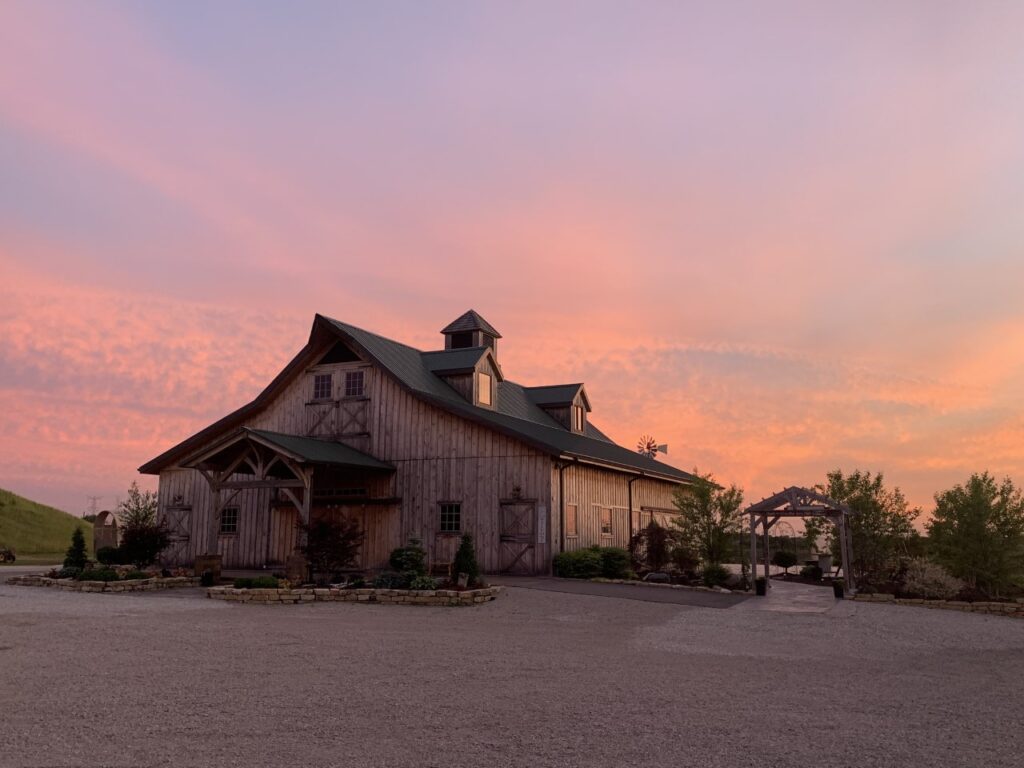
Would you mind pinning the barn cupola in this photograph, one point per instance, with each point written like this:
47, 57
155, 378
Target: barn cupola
470, 330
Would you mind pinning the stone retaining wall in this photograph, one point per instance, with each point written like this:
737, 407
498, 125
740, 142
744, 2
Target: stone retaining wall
133, 585
363, 595
1015, 609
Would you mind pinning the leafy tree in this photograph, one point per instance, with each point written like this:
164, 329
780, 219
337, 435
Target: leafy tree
331, 545
138, 509
977, 532
882, 522
465, 561
710, 516
76, 556
784, 559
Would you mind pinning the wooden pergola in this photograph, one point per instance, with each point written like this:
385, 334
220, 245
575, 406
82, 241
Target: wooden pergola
802, 503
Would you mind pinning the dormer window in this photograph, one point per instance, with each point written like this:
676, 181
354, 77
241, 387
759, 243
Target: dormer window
578, 419
322, 385
484, 388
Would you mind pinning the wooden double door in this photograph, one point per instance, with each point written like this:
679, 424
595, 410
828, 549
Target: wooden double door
517, 537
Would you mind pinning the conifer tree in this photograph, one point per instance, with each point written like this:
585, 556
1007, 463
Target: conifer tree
465, 561
76, 556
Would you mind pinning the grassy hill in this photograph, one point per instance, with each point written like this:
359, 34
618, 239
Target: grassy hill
36, 531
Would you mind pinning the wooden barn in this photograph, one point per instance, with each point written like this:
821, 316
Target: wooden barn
412, 444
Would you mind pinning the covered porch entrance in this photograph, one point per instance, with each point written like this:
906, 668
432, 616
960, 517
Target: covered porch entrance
296, 478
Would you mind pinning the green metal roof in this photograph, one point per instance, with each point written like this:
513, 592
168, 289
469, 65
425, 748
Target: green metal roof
470, 321
314, 451
515, 412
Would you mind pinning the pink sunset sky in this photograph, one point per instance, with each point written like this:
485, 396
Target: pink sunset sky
780, 237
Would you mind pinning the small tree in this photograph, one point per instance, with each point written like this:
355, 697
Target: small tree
977, 532
331, 545
76, 556
465, 560
709, 516
651, 546
784, 559
142, 543
138, 509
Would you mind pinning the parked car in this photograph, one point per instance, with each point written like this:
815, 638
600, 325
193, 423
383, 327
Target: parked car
7, 555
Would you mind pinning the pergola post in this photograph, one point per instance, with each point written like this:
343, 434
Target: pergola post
767, 556
753, 550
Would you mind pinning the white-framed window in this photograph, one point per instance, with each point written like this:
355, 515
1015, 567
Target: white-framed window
451, 517
322, 385
229, 520
577, 418
606, 521
484, 383
572, 528
354, 383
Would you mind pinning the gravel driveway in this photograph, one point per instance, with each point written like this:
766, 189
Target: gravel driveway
536, 678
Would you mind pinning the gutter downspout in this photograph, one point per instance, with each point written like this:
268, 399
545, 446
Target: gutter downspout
630, 489
561, 505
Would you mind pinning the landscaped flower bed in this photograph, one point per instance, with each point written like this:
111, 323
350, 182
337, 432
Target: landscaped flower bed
639, 583
359, 595
119, 585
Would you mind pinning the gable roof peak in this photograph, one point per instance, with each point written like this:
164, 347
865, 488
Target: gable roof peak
470, 320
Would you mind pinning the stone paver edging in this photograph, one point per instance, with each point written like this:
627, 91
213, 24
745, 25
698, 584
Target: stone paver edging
132, 585
639, 583
362, 595
1003, 609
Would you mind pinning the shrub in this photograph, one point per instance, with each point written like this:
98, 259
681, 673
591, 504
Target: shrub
930, 580
465, 561
110, 556
684, 559
243, 583
411, 558
136, 575
142, 543
391, 580
578, 564
76, 556
67, 572
812, 572
331, 545
422, 582
99, 574
615, 563
784, 559
651, 546
714, 575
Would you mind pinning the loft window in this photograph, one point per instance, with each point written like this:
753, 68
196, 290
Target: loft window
484, 383
354, 383
577, 418
571, 523
606, 522
462, 340
322, 383
451, 517
229, 520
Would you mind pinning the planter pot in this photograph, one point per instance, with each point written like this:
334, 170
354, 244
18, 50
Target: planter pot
837, 590
761, 587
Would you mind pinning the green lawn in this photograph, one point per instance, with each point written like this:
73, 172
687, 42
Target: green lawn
37, 533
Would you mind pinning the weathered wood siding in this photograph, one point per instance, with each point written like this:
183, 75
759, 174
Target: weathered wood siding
593, 489
439, 458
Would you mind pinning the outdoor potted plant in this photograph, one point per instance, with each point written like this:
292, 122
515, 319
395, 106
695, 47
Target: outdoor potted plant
838, 589
761, 586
